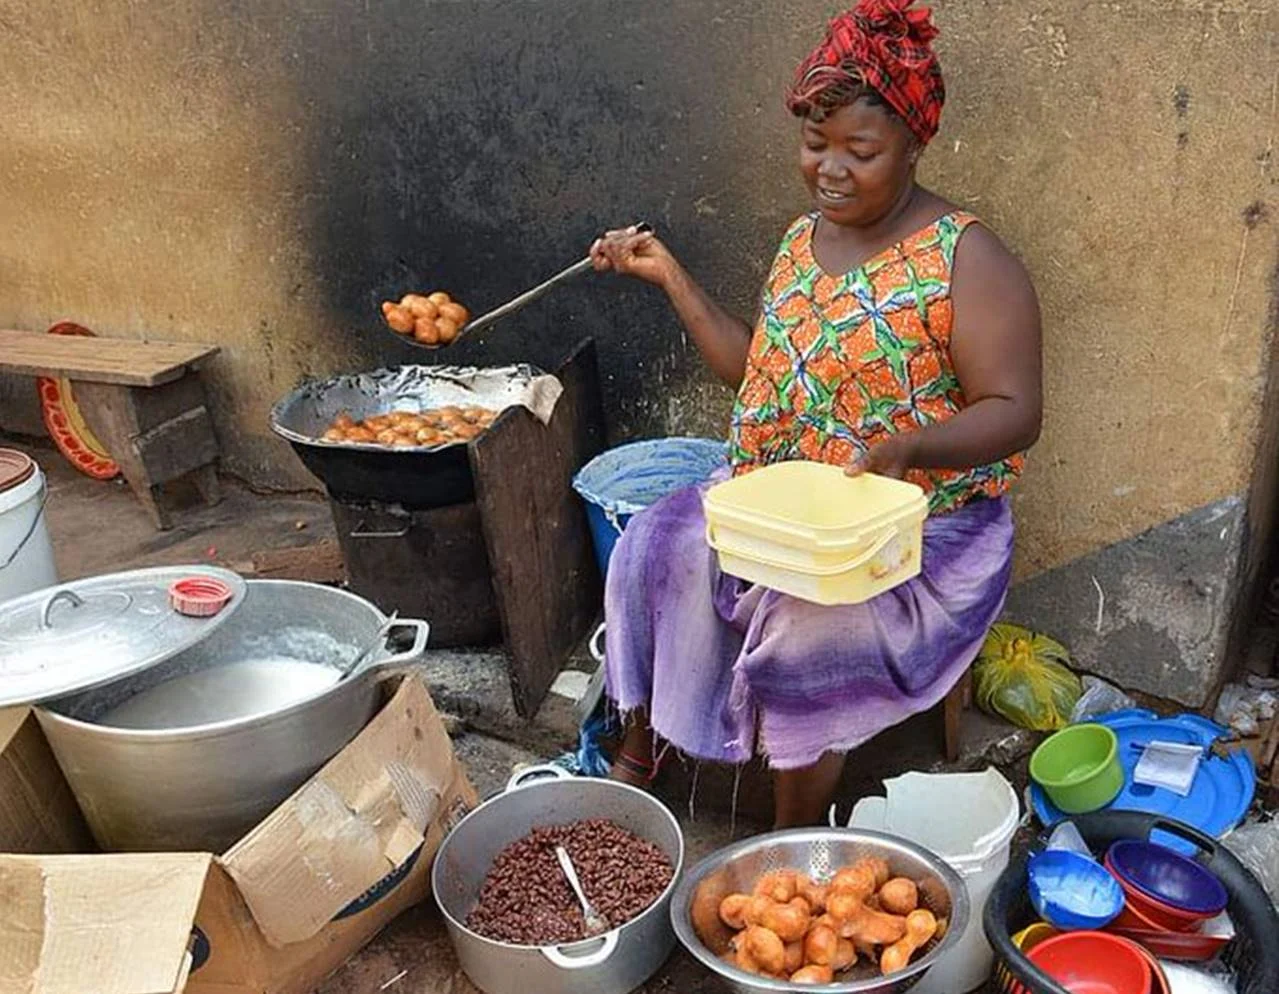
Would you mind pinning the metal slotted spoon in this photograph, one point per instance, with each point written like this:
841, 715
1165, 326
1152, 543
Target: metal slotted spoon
516, 304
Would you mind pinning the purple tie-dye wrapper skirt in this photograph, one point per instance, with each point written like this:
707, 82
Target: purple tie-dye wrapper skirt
726, 670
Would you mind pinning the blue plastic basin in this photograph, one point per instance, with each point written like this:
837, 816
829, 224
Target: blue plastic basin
621, 482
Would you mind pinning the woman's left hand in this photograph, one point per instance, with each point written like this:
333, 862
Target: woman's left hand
892, 457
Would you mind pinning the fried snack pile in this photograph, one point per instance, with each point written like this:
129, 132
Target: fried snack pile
792, 928
435, 319
403, 429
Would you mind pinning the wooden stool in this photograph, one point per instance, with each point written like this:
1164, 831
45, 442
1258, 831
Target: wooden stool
144, 401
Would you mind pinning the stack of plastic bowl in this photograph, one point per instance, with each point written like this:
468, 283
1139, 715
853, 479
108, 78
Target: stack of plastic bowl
1093, 963
1171, 903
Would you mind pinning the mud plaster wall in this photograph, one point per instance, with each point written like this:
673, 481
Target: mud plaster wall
260, 174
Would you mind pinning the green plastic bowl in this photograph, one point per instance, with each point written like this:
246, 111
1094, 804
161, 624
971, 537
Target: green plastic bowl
1079, 768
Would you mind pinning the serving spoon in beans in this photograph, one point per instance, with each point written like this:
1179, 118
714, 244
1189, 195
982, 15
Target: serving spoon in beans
595, 922
510, 307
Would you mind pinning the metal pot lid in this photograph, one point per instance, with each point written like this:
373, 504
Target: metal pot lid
89, 632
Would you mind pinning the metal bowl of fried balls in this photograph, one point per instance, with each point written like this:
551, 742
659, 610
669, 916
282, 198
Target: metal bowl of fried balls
844, 910
412, 429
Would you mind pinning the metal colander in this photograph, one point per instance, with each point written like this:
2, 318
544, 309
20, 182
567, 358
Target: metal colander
819, 852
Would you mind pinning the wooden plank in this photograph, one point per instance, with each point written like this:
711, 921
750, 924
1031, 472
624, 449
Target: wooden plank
99, 360
109, 410
544, 573
151, 454
180, 446
952, 716
320, 562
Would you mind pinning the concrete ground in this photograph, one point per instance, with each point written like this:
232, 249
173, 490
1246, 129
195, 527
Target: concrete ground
99, 527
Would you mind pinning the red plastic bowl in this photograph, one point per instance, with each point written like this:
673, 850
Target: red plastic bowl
1158, 980
1131, 918
1160, 915
1093, 963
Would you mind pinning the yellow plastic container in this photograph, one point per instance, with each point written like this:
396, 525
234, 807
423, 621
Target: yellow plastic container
806, 529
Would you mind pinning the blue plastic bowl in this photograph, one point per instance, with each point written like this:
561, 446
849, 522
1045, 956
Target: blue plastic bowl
1169, 877
1072, 891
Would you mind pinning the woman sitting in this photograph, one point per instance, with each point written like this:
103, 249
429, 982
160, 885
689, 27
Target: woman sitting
897, 336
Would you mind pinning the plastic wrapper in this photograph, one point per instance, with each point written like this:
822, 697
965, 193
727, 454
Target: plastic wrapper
1246, 709
1023, 677
1199, 978
1098, 698
1066, 836
1257, 847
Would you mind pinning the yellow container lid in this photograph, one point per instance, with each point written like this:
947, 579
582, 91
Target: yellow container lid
814, 504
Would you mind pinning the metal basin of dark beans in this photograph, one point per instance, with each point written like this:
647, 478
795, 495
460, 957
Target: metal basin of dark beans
527, 901
512, 917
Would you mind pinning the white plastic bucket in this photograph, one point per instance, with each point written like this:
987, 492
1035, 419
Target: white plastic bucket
26, 554
968, 819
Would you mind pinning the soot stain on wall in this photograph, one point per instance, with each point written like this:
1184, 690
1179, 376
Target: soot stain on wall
430, 169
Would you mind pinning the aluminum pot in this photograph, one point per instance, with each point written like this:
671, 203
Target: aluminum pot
819, 852
614, 963
202, 787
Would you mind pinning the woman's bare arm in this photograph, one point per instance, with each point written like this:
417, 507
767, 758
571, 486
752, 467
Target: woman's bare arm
722, 338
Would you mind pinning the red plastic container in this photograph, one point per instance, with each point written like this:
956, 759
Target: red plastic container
1093, 963
1131, 918
1186, 947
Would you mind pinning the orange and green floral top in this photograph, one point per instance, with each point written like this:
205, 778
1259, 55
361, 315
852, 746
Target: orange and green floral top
838, 363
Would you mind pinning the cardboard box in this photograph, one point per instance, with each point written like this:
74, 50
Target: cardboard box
276, 914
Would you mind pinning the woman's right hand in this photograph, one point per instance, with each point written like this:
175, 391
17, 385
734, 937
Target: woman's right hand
632, 252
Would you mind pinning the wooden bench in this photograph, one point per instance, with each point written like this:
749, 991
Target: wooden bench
144, 401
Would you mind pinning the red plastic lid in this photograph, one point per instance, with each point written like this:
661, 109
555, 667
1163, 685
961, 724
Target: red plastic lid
199, 596
15, 468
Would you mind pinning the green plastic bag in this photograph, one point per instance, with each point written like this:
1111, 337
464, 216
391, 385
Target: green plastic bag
1023, 677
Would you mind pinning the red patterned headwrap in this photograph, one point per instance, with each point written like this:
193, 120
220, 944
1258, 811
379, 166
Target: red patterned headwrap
886, 45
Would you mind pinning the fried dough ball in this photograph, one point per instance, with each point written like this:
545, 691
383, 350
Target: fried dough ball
426, 331
813, 975
399, 319
419, 306
446, 330
454, 311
